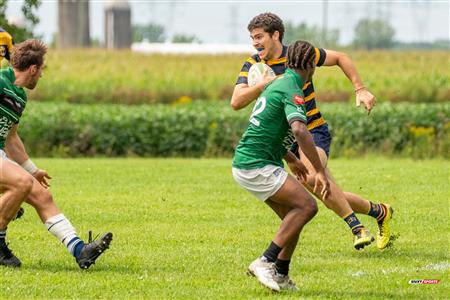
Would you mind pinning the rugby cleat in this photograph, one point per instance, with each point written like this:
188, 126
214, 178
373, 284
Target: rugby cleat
7, 258
363, 238
384, 230
93, 250
265, 273
285, 283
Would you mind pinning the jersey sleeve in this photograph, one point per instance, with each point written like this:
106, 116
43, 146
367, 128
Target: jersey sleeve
243, 75
321, 54
294, 106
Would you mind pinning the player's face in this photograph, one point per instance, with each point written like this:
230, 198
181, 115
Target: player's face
35, 73
264, 43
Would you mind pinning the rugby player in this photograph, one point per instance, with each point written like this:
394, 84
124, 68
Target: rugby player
258, 166
20, 179
266, 31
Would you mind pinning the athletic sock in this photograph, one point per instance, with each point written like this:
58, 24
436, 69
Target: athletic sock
282, 266
377, 211
271, 253
353, 222
3, 236
63, 230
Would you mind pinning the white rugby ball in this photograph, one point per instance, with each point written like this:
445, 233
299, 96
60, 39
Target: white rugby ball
255, 74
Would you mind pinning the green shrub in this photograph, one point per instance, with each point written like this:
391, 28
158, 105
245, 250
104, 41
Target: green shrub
213, 129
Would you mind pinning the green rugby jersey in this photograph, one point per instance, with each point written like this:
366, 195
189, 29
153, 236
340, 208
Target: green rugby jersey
268, 132
13, 100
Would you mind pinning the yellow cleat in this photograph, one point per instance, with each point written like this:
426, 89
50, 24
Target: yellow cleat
363, 238
384, 232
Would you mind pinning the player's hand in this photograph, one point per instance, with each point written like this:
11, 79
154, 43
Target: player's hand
323, 185
299, 170
266, 79
367, 98
42, 176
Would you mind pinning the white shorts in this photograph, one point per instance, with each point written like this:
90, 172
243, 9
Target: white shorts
4, 156
262, 182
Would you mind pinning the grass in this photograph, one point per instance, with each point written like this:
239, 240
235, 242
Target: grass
184, 229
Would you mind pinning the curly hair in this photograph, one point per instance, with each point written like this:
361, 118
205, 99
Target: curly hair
301, 55
269, 22
28, 53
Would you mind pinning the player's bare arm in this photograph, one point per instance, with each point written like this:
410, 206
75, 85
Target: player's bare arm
306, 143
296, 166
15, 149
335, 58
243, 94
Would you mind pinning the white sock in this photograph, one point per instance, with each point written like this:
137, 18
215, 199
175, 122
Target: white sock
60, 227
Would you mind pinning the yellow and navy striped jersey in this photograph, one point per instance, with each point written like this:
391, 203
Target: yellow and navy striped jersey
278, 65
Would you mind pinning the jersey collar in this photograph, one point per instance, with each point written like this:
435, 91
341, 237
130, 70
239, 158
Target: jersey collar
9, 73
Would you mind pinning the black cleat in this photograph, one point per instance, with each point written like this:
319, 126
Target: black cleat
20, 213
7, 258
93, 250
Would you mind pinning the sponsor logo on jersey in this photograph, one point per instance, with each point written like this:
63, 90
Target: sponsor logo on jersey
299, 100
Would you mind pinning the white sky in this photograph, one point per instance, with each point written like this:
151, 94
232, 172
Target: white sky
212, 21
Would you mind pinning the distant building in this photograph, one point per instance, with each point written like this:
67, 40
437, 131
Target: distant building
73, 21
118, 25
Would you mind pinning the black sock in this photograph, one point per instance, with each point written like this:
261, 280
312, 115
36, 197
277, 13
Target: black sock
2, 236
353, 222
376, 211
272, 252
282, 266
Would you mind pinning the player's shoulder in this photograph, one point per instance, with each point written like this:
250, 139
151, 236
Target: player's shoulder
253, 59
5, 77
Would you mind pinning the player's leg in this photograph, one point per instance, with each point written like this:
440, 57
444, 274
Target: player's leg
265, 183
59, 226
283, 260
338, 203
15, 184
302, 209
382, 212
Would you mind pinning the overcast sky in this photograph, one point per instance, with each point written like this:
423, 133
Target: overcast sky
226, 21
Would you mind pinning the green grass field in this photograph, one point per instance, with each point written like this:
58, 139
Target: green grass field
184, 229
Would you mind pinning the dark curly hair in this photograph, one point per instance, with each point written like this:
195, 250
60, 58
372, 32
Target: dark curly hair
301, 55
269, 22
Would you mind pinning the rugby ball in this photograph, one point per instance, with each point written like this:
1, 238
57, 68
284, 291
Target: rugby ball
255, 74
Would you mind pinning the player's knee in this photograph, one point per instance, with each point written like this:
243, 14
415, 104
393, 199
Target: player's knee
311, 209
24, 184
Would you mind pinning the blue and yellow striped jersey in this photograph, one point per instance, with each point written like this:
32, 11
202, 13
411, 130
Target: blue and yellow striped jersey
313, 114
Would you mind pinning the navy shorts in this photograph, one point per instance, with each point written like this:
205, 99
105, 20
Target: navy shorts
322, 139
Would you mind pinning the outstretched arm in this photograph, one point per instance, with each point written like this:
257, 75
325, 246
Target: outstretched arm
335, 58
